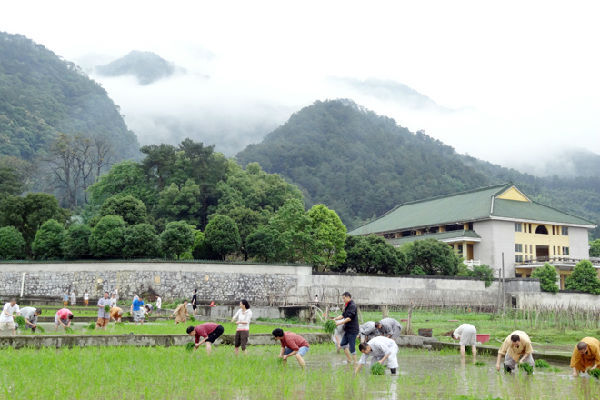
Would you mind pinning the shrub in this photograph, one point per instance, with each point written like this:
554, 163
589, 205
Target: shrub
176, 239
547, 276
76, 241
584, 278
107, 237
12, 244
483, 272
434, 257
48, 240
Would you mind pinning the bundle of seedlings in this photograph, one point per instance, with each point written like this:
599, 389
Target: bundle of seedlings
595, 373
377, 369
190, 346
527, 368
329, 326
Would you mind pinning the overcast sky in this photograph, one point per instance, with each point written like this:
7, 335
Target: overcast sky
520, 78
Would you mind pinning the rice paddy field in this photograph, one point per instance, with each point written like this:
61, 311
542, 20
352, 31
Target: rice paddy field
174, 373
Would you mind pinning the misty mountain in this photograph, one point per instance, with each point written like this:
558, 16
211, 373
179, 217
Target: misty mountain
147, 67
359, 163
362, 165
390, 91
43, 97
566, 163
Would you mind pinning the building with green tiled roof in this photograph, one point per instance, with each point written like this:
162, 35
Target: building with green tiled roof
486, 224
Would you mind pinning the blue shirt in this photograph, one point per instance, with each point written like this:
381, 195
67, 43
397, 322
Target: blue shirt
137, 304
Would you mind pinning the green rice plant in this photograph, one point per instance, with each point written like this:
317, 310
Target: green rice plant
527, 368
107, 308
20, 321
480, 364
192, 318
595, 373
40, 328
329, 326
91, 326
377, 369
69, 330
190, 346
541, 364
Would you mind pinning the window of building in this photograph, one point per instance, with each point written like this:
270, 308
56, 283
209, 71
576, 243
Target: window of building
518, 227
518, 258
565, 250
525, 249
530, 248
564, 230
518, 248
541, 230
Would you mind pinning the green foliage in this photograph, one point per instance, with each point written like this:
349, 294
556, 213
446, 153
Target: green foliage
91, 326
176, 204
20, 321
107, 238
417, 270
147, 67
28, 213
434, 257
483, 272
47, 244
595, 248
76, 241
595, 373
329, 326
125, 178
190, 346
584, 278
131, 209
12, 244
10, 181
291, 226
541, 363
140, 241
328, 235
201, 249
177, 238
547, 276
222, 235
371, 255
377, 369
527, 368
262, 244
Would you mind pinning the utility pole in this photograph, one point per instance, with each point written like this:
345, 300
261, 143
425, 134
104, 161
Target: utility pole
503, 288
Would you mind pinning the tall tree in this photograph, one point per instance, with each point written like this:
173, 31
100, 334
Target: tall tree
222, 235
328, 235
48, 241
131, 209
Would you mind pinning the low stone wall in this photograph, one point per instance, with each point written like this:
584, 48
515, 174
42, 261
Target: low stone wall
37, 341
219, 282
557, 300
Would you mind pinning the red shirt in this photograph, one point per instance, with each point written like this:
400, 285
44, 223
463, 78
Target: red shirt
293, 341
204, 330
64, 313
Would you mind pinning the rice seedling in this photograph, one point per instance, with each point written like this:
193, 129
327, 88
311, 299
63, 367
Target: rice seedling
107, 308
20, 321
377, 369
190, 346
542, 364
69, 330
527, 368
329, 326
480, 364
91, 326
595, 373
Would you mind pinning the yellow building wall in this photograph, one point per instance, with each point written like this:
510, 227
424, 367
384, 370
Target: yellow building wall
533, 239
512, 194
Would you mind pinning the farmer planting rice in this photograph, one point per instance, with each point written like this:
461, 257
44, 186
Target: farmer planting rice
137, 311
7, 320
181, 313
209, 333
291, 345
242, 318
467, 334
116, 313
337, 336
368, 331
349, 319
384, 350
389, 328
30, 314
103, 312
63, 317
586, 355
516, 350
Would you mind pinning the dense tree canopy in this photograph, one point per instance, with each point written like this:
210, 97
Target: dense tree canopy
584, 278
47, 244
108, 237
12, 244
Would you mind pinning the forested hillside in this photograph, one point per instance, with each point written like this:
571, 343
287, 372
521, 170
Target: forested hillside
362, 165
147, 67
50, 114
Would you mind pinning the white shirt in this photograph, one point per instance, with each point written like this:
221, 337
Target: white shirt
380, 347
243, 316
86, 296
10, 311
113, 302
158, 302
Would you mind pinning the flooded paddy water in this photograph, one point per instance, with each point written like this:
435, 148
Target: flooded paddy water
174, 373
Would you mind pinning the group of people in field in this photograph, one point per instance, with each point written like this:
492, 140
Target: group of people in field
377, 338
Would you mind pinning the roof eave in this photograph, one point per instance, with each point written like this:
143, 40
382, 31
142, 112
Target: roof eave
499, 218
